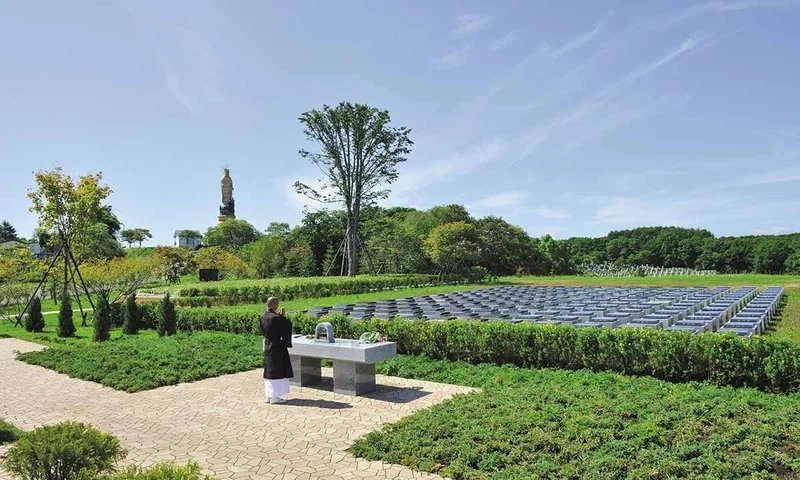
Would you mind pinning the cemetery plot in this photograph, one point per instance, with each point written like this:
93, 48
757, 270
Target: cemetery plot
744, 311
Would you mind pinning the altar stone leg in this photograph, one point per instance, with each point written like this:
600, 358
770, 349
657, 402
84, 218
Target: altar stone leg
307, 371
351, 378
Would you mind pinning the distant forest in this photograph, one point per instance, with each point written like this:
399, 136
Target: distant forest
400, 240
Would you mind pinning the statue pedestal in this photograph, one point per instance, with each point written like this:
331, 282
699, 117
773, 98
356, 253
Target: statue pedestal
222, 218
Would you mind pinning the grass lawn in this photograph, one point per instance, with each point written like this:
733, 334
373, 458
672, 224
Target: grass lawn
8, 433
145, 361
49, 336
582, 425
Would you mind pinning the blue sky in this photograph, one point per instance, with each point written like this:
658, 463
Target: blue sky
568, 118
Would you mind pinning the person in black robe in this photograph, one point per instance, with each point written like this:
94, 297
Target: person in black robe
277, 331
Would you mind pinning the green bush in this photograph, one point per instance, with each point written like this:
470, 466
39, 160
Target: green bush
66, 328
259, 291
722, 359
162, 471
130, 324
65, 451
102, 320
34, 321
8, 433
166, 321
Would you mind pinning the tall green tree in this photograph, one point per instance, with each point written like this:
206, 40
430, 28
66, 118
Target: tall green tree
232, 234
453, 246
68, 208
265, 256
107, 217
506, 249
358, 154
128, 236
172, 262
7, 232
142, 235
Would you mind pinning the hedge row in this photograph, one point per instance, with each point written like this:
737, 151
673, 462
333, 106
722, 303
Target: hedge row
721, 359
215, 295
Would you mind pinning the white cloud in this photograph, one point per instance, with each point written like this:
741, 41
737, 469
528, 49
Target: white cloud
534, 138
578, 42
410, 182
545, 57
505, 199
191, 66
632, 211
617, 116
722, 7
471, 23
552, 213
791, 174
503, 42
454, 58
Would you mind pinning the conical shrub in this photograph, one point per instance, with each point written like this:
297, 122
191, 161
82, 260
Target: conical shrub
34, 321
166, 321
130, 324
66, 327
102, 320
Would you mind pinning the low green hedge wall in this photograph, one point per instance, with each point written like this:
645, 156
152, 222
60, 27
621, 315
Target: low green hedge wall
258, 292
721, 359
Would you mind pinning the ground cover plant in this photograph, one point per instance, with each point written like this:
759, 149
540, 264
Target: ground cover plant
145, 361
8, 432
583, 425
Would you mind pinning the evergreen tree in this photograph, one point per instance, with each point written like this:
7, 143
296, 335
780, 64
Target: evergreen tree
66, 328
130, 323
117, 315
34, 322
102, 320
166, 322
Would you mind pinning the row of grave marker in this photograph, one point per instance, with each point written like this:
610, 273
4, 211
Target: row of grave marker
693, 309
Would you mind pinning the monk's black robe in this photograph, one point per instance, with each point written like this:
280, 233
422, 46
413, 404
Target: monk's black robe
277, 331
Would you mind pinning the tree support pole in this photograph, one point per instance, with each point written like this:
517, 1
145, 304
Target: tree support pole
44, 277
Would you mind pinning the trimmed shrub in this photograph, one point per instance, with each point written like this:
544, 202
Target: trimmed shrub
34, 321
8, 433
66, 327
117, 314
65, 451
102, 320
258, 291
162, 471
130, 324
166, 321
721, 359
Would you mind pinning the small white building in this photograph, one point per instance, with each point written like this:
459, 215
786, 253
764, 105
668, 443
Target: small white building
187, 238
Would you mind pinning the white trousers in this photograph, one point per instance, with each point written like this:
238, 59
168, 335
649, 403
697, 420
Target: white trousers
276, 388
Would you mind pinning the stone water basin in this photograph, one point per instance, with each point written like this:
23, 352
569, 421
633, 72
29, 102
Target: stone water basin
343, 349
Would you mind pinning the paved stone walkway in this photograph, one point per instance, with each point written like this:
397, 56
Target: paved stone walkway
222, 423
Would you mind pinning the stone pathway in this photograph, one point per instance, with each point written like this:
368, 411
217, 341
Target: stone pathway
222, 423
